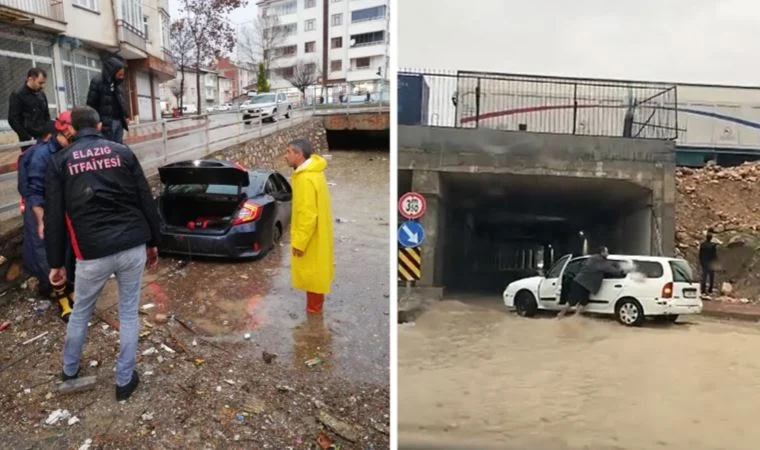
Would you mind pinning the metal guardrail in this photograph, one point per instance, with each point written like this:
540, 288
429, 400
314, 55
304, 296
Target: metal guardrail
167, 146
541, 104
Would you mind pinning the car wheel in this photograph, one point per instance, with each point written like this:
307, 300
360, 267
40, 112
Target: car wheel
274, 116
525, 304
629, 312
287, 114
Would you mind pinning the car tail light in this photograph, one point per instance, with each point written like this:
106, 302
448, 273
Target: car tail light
256, 247
667, 291
240, 166
248, 212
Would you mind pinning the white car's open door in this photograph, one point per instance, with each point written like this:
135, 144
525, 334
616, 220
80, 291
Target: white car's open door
548, 290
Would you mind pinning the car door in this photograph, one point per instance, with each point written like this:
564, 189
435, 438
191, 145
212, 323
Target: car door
548, 290
283, 198
612, 285
568, 275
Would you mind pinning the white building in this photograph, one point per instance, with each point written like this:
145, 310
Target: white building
68, 38
347, 39
215, 89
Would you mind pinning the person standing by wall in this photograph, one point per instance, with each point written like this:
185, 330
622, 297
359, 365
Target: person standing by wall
98, 190
311, 227
106, 96
708, 257
28, 112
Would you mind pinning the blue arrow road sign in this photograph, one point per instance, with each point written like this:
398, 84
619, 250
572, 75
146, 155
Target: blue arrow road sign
411, 234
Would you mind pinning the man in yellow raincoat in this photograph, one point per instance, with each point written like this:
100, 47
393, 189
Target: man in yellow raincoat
311, 228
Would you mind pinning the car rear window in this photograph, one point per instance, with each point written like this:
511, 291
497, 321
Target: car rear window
681, 271
652, 269
194, 189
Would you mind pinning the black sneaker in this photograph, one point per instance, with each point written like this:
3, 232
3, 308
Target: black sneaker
124, 392
65, 377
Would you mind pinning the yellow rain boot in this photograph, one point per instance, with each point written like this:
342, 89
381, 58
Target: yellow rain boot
64, 302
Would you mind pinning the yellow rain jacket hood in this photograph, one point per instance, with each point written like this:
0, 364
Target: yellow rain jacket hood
311, 228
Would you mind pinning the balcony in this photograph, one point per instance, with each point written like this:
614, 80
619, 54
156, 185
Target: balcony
132, 36
367, 49
168, 57
50, 13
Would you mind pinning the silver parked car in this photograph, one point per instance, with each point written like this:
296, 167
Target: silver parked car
267, 106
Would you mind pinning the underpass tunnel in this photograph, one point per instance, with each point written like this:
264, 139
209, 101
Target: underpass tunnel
503, 227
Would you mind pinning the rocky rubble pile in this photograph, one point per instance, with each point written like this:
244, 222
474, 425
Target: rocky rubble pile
725, 200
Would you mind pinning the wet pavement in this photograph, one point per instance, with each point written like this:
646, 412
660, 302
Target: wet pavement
252, 302
201, 380
510, 382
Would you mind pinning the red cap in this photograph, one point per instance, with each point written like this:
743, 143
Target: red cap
63, 120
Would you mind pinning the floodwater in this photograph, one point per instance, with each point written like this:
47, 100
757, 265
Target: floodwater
227, 300
492, 378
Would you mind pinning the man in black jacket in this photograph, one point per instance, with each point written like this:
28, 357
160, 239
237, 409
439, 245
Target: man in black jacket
106, 96
708, 255
589, 280
97, 189
28, 113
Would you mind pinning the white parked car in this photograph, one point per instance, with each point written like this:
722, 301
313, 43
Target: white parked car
660, 287
224, 107
267, 106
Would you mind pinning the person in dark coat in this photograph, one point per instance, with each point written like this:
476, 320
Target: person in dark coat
589, 280
32, 170
28, 113
708, 256
107, 97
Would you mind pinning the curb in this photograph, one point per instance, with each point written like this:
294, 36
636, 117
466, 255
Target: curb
735, 315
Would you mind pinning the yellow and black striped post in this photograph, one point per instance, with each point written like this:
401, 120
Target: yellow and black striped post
409, 264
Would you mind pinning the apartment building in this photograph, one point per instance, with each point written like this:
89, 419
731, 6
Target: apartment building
68, 38
347, 40
215, 89
241, 79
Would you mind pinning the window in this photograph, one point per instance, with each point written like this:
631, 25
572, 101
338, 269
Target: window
165, 29
89, 4
290, 50
310, 47
616, 264
362, 63
309, 4
681, 272
336, 65
336, 1
557, 267
337, 20
651, 269
285, 8
145, 26
132, 13
377, 37
285, 72
336, 42
310, 25
291, 28
363, 15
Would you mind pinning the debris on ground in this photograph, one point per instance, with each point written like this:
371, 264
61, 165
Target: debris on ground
57, 415
268, 357
313, 362
726, 202
341, 428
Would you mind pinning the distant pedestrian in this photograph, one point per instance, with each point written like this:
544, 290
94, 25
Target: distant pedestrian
32, 170
106, 96
589, 280
98, 190
28, 112
708, 257
311, 227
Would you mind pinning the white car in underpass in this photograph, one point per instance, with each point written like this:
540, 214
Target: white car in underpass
659, 287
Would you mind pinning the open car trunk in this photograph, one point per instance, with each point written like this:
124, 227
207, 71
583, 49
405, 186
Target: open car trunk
201, 197
199, 213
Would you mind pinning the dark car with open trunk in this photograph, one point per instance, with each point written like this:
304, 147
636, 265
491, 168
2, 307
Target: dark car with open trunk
219, 208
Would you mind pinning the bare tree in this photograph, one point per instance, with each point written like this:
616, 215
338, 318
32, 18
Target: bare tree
261, 42
304, 74
177, 89
182, 46
211, 34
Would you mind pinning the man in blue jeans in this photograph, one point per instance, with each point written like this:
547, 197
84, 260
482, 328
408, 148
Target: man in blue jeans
97, 189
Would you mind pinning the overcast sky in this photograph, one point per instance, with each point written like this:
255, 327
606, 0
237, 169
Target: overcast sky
710, 41
242, 15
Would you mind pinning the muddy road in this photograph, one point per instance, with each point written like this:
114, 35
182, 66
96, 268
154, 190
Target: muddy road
217, 386
494, 380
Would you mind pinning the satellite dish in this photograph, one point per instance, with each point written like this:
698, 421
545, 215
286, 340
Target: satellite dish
352, 42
